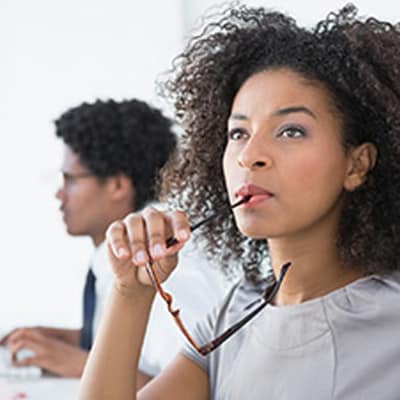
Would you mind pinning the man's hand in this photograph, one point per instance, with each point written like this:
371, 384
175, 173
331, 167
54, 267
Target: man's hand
53, 355
70, 336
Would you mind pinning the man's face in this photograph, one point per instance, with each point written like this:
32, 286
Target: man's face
85, 199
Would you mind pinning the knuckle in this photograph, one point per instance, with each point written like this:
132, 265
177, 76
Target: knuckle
23, 332
156, 237
179, 213
150, 211
117, 242
113, 228
131, 218
180, 218
136, 243
18, 345
179, 225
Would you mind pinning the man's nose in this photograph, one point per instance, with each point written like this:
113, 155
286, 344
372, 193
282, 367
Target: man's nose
60, 194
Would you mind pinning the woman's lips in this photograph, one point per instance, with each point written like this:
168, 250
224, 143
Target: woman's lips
257, 199
257, 193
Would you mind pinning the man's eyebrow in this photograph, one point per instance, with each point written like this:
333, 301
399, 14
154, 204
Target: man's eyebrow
295, 109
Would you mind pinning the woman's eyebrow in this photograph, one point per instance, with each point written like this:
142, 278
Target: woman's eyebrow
278, 113
238, 116
295, 109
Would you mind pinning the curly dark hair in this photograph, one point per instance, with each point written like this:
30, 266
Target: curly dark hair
356, 59
127, 137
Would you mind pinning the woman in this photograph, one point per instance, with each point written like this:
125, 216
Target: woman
305, 126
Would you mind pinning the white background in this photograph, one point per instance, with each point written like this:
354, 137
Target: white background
56, 54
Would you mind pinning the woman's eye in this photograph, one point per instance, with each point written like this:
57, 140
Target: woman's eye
237, 134
292, 132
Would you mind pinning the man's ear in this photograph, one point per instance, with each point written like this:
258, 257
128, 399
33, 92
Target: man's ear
121, 187
362, 159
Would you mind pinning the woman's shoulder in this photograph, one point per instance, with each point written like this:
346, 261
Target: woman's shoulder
364, 323
384, 286
371, 297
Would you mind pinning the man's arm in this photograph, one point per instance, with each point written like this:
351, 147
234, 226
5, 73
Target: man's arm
54, 354
70, 336
50, 353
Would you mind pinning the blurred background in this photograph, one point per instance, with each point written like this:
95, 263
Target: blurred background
56, 54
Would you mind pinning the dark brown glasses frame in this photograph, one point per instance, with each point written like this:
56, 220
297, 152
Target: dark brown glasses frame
213, 344
209, 347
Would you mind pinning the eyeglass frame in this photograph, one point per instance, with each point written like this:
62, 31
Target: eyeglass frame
220, 339
69, 178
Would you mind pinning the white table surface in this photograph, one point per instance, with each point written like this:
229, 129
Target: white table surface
43, 388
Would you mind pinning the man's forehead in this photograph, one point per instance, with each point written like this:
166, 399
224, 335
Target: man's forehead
71, 161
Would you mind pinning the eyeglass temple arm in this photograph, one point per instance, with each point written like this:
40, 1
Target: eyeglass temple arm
171, 241
204, 350
168, 299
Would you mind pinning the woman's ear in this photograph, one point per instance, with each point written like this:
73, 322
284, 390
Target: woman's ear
362, 159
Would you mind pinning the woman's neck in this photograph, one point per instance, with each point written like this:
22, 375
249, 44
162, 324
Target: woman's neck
316, 269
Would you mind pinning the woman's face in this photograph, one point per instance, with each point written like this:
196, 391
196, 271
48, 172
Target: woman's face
285, 148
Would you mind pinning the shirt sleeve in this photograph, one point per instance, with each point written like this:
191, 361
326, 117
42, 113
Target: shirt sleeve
196, 289
210, 327
202, 334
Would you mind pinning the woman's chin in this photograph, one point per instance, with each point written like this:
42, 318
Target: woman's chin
254, 232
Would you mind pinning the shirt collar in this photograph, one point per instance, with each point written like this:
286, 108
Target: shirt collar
99, 263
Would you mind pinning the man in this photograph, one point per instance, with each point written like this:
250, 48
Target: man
113, 152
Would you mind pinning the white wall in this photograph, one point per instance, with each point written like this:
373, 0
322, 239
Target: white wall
56, 54
306, 12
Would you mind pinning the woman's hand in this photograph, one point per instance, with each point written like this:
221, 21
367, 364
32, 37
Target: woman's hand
140, 238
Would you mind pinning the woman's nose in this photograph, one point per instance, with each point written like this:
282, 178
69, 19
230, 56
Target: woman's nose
255, 155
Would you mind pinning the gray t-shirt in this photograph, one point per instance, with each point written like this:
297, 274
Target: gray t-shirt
345, 345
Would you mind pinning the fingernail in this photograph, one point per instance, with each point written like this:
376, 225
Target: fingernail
157, 250
122, 252
182, 234
140, 257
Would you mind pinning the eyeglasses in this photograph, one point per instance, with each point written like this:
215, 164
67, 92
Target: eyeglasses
69, 179
213, 344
